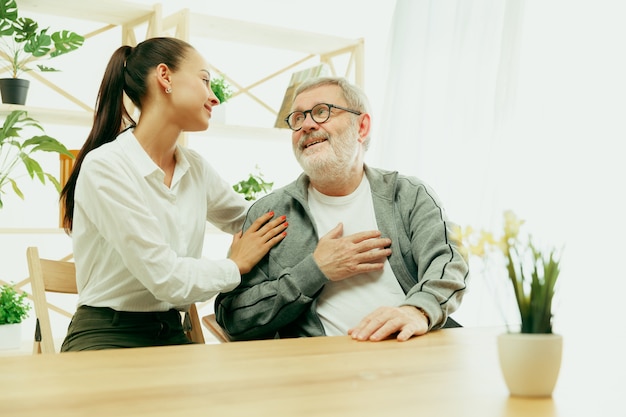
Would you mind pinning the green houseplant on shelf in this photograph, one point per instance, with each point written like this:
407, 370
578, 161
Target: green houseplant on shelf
223, 91
14, 308
16, 151
254, 186
530, 357
21, 43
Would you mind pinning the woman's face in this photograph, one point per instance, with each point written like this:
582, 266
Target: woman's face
192, 97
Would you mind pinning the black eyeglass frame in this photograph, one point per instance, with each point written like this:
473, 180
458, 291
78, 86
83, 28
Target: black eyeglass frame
310, 112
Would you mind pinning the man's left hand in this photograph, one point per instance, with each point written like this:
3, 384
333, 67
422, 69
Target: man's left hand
407, 321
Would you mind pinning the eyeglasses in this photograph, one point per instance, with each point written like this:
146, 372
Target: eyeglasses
320, 114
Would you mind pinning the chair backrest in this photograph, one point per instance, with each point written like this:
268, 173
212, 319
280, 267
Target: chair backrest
48, 276
193, 328
216, 330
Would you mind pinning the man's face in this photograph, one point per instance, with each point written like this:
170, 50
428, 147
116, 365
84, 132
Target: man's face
330, 148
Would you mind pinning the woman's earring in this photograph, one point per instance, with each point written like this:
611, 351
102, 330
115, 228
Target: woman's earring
168, 90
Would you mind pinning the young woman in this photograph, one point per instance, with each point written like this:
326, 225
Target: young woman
137, 204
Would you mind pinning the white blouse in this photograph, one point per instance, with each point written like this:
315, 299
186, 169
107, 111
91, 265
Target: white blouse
137, 243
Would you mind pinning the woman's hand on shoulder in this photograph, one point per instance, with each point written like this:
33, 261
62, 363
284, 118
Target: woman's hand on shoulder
250, 246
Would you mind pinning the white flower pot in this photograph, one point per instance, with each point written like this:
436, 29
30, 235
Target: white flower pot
530, 363
10, 336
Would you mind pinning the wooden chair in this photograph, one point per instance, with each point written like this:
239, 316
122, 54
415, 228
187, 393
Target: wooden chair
192, 326
216, 330
48, 275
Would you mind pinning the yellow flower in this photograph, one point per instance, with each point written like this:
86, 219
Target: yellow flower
512, 225
459, 235
532, 272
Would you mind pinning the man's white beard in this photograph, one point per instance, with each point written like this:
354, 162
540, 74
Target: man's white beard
334, 163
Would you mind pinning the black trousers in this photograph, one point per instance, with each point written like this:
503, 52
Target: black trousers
97, 328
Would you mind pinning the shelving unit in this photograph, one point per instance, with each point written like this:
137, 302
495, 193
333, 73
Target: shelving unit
51, 116
111, 14
106, 11
137, 22
133, 17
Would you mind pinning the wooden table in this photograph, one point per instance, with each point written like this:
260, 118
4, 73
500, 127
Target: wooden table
450, 372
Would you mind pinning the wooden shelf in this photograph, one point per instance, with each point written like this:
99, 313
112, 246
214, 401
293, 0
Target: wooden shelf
130, 16
105, 11
54, 116
238, 31
83, 118
121, 12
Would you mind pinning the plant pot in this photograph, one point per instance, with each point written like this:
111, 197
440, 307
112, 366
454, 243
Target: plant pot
14, 90
530, 363
10, 336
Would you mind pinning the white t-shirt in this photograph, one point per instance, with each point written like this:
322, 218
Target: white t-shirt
137, 243
343, 304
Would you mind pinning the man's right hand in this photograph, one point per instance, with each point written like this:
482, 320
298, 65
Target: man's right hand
340, 257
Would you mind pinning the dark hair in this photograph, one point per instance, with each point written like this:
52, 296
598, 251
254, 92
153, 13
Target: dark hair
125, 73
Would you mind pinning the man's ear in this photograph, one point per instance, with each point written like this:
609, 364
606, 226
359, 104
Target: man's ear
364, 126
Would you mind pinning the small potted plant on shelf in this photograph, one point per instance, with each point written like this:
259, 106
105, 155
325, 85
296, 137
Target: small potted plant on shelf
530, 357
21, 43
14, 309
223, 91
16, 151
254, 186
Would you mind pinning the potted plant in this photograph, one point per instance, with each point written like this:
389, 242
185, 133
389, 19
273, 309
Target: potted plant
253, 186
13, 310
14, 150
530, 356
21, 42
223, 91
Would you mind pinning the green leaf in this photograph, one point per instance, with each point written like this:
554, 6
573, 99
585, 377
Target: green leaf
43, 68
66, 41
16, 189
253, 186
222, 90
8, 15
14, 306
25, 29
54, 181
38, 45
33, 167
46, 143
15, 150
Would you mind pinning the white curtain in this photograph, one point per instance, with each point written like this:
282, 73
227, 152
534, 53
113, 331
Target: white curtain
518, 105
450, 87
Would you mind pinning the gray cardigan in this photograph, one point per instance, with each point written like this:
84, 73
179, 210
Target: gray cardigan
277, 298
